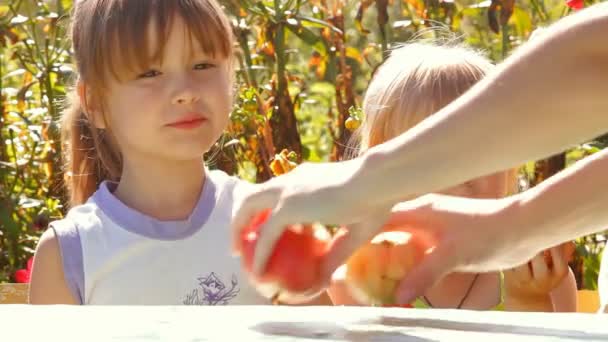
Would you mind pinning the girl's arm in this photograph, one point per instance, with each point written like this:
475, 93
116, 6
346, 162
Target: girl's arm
561, 299
541, 287
48, 285
564, 295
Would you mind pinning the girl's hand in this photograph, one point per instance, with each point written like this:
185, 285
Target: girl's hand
529, 286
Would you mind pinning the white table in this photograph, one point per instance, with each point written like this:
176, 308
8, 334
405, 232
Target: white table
281, 323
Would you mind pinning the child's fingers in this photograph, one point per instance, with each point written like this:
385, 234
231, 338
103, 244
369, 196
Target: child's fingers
568, 250
560, 266
540, 269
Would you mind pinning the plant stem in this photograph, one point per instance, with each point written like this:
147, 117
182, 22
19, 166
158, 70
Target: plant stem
279, 48
505, 41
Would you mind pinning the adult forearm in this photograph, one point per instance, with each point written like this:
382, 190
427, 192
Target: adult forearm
571, 204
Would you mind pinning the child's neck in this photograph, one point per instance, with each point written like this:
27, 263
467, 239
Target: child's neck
165, 191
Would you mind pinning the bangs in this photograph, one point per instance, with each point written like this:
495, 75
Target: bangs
128, 26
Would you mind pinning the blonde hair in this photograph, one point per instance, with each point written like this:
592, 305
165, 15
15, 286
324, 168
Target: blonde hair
415, 81
110, 39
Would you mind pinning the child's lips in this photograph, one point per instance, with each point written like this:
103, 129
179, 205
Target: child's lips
188, 122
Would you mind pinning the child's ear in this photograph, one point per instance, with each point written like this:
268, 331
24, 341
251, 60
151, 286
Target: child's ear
91, 108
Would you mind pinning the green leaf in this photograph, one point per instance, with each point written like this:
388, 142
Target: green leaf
16, 72
287, 6
522, 21
592, 270
354, 54
6, 219
590, 149
59, 89
314, 22
268, 11
305, 34
249, 7
323, 88
42, 9
64, 5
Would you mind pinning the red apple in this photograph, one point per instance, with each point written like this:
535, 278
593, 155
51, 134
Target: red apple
293, 271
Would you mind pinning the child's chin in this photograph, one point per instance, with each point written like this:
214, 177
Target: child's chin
193, 151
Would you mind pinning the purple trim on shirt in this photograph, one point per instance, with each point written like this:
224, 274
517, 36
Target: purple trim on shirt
144, 225
71, 247
71, 256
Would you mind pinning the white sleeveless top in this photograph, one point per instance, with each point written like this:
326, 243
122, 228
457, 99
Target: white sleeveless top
115, 255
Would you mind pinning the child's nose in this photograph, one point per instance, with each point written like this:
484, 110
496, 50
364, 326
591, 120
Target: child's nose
185, 95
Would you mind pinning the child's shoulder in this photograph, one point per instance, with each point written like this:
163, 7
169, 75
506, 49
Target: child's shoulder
62, 242
226, 182
83, 216
221, 177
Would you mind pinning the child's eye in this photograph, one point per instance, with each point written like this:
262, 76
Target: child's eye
203, 66
149, 74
